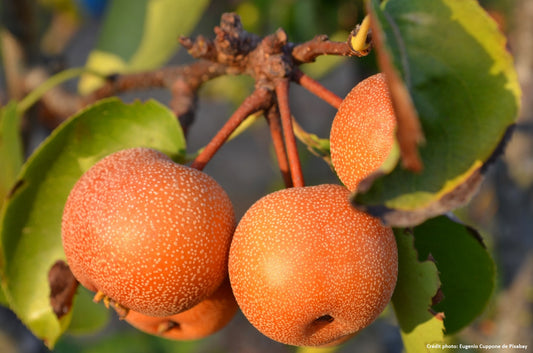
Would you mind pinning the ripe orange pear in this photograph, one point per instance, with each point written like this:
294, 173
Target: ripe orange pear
148, 234
307, 269
362, 132
202, 320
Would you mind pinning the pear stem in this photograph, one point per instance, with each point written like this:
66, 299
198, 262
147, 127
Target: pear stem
274, 122
255, 102
317, 89
282, 94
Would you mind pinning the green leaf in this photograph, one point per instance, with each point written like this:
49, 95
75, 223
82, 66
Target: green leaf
417, 284
316, 145
11, 154
88, 316
140, 35
30, 224
460, 76
11, 159
467, 272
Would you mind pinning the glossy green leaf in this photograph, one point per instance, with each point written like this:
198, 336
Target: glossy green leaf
417, 283
460, 76
140, 35
466, 269
30, 224
11, 154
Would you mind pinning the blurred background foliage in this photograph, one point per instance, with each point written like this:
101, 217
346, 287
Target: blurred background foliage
59, 34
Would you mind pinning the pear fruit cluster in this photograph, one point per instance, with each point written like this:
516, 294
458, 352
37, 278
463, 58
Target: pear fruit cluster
160, 241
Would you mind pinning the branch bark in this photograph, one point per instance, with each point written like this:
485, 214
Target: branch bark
272, 61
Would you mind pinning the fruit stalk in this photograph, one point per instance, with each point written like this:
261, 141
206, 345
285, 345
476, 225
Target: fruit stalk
255, 102
282, 94
317, 89
274, 122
